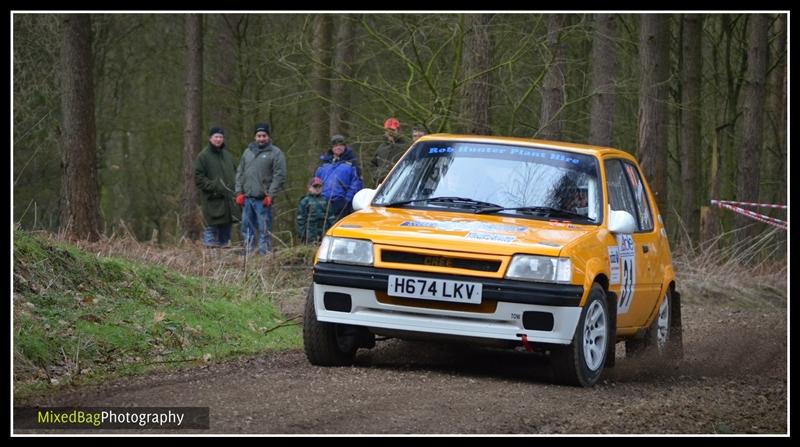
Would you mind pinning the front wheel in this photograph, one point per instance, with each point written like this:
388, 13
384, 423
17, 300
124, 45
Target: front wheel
581, 362
326, 344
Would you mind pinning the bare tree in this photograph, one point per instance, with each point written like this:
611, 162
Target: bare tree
320, 72
343, 67
475, 66
776, 166
753, 119
550, 123
223, 67
727, 66
192, 133
691, 103
604, 72
653, 117
80, 217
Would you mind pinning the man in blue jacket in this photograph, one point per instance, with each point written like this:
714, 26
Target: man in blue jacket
340, 176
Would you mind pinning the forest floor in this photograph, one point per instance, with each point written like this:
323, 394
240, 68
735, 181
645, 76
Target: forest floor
733, 379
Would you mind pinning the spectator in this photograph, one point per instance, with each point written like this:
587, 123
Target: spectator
312, 213
389, 151
340, 178
417, 131
259, 178
215, 176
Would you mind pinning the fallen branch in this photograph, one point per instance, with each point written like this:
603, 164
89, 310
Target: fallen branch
284, 323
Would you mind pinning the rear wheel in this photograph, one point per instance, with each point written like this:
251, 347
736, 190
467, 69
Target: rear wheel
327, 344
663, 337
581, 362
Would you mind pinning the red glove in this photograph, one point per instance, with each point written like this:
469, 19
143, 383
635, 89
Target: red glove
267, 200
240, 200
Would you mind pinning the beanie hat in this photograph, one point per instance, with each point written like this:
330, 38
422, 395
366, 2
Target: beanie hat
262, 127
214, 130
337, 139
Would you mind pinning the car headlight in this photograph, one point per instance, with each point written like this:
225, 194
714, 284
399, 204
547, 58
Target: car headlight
345, 251
540, 268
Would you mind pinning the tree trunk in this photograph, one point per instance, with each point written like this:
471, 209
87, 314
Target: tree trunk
343, 66
477, 58
726, 84
80, 218
194, 120
691, 143
604, 72
735, 63
753, 117
653, 117
776, 166
550, 123
320, 72
223, 68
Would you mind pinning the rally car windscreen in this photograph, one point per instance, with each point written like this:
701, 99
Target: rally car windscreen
507, 176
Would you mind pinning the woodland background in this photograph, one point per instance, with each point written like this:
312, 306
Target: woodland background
109, 110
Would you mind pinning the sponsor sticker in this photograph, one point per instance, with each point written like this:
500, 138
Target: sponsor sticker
627, 257
491, 237
613, 261
466, 225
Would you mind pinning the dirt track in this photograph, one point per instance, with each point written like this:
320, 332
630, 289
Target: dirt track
733, 380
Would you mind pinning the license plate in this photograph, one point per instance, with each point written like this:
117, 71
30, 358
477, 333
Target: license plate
435, 289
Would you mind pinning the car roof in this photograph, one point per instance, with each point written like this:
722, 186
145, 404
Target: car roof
598, 151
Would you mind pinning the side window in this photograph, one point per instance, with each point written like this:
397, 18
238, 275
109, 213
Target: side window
619, 192
644, 217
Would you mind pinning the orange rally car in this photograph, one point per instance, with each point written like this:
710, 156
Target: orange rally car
528, 244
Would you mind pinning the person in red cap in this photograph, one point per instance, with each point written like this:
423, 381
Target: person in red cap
389, 151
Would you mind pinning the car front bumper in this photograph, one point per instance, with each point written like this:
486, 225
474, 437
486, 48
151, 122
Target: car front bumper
504, 322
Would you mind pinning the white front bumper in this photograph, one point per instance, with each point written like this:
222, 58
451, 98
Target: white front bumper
504, 324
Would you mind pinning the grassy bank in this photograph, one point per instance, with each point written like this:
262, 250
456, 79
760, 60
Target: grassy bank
81, 317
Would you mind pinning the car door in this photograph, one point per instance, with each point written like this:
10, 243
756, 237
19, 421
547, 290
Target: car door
633, 257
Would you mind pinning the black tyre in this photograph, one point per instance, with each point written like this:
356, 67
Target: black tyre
327, 344
581, 363
663, 339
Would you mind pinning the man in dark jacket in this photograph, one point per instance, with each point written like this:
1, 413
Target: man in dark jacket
389, 151
214, 175
259, 178
340, 177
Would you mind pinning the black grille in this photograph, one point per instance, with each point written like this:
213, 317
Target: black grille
340, 302
537, 321
440, 261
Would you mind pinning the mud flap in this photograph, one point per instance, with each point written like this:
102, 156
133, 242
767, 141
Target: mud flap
611, 352
676, 327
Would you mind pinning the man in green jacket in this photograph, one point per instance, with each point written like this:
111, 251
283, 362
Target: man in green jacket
313, 216
259, 178
214, 175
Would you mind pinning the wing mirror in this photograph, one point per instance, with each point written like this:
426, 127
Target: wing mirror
363, 198
621, 222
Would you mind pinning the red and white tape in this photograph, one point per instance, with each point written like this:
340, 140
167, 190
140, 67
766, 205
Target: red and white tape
751, 204
753, 215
